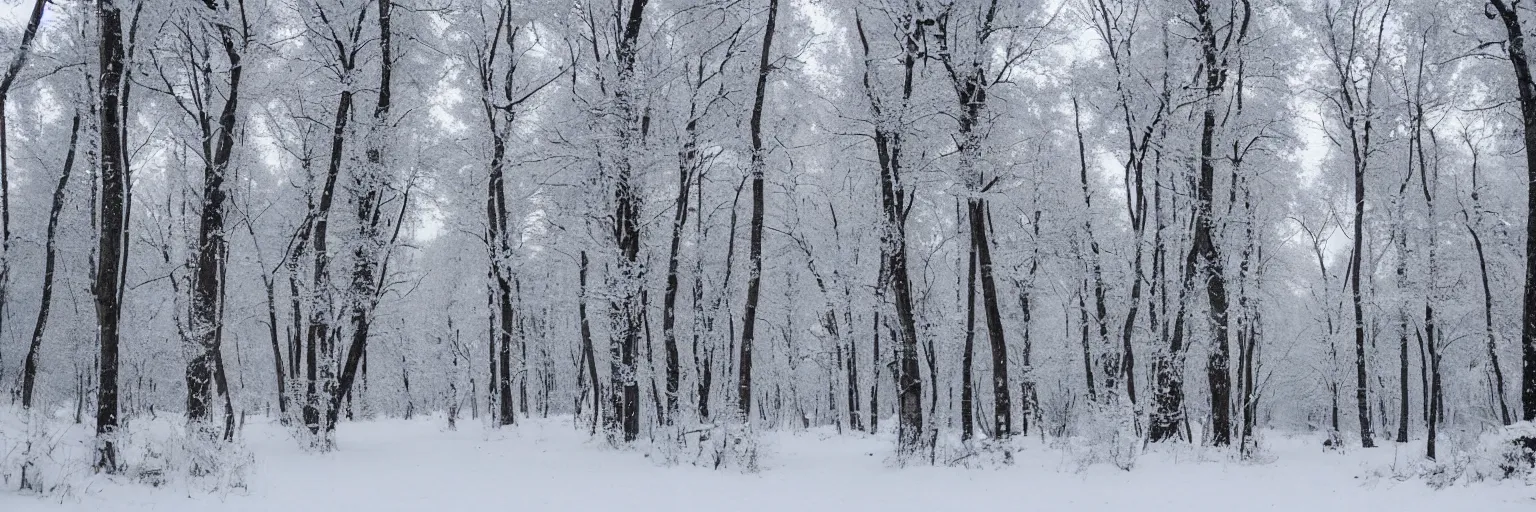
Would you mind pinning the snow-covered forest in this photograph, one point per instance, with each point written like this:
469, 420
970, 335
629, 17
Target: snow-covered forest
961, 232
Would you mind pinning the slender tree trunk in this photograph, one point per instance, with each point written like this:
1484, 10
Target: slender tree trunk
1082, 323
703, 347
888, 146
1428, 181
50, 253
320, 340
1402, 335
589, 353
967, 393
755, 238
874, 376
490, 344
1002, 413
688, 158
1096, 270
1249, 330
855, 420
523, 371
1168, 371
1029, 408
277, 351
1482, 266
208, 282
1435, 412
18, 61
1488, 331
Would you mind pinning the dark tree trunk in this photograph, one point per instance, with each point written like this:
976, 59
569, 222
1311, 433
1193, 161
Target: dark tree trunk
931, 357
874, 376
755, 236
1402, 382
1402, 329
1434, 405
1361, 398
319, 338
1002, 412
1082, 323
50, 253
296, 316
1401, 242
1493, 347
588, 352
1527, 85
703, 348
1358, 125
221, 376
855, 420
1217, 372
967, 393
504, 415
367, 185
1093, 244
499, 232
1403, 254
490, 344
523, 372
1168, 368
269, 285
688, 158
1250, 327
323, 392
108, 286
970, 79
1250, 398
1428, 180
669, 298
625, 308
277, 351
650, 356
1482, 266
18, 61
893, 195
501, 286
1027, 400
208, 281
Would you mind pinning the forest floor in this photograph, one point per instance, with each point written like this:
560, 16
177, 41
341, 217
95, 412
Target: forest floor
547, 465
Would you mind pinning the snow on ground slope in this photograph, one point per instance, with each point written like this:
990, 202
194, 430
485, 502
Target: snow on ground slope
549, 466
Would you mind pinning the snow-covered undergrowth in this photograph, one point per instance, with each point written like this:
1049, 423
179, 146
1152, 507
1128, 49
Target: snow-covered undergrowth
51, 455
1505, 454
724, 445
552, 464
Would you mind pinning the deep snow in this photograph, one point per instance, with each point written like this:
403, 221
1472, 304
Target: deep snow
547, 465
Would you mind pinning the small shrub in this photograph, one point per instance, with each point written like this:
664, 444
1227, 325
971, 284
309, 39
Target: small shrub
722, 445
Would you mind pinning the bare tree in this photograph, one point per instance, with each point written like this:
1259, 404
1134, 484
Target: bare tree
50, 260
12, 71
755, 236
889, 126
1351, 52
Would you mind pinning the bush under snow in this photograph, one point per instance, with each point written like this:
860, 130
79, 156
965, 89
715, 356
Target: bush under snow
52, 455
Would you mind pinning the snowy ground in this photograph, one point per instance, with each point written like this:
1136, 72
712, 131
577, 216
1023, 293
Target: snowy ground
548, 465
